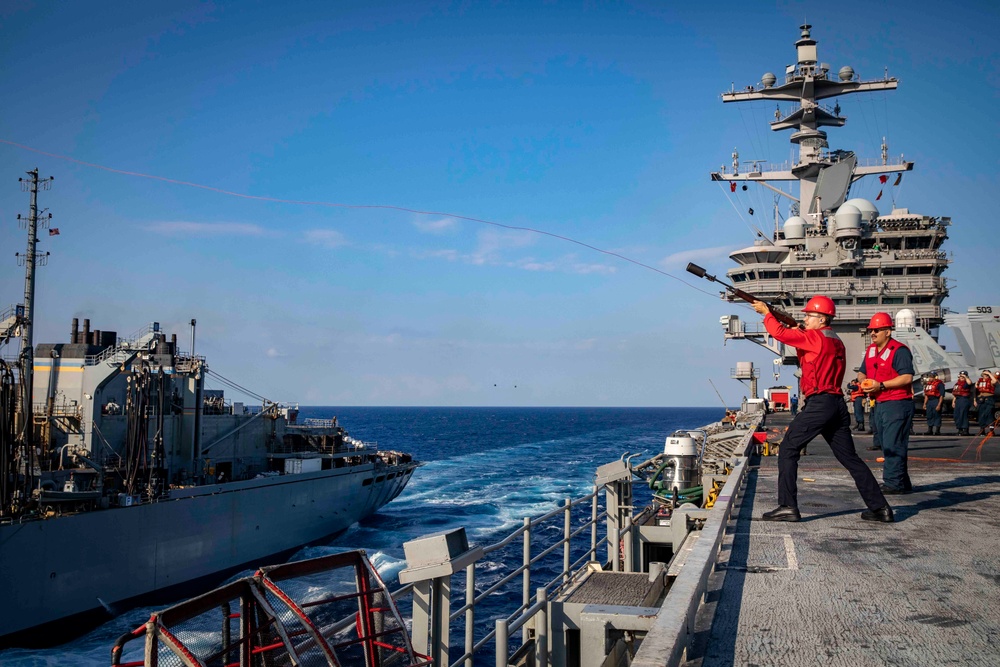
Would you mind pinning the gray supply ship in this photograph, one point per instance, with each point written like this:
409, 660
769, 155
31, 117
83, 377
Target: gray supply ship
124, 480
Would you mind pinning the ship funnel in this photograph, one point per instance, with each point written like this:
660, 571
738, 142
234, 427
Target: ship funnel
76, 330
86, 332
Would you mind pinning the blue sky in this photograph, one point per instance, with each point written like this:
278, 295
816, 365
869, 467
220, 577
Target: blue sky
595, 121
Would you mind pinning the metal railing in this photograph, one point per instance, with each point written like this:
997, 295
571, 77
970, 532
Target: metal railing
121, 350
533, 603
526, 610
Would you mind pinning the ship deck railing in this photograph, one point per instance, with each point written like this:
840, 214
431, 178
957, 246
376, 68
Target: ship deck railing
760, 167
125, 347
577, 517
853, 285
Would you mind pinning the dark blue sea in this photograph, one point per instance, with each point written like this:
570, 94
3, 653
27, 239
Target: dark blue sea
487, 469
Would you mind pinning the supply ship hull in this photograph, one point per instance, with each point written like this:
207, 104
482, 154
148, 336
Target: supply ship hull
123, 477
87, 564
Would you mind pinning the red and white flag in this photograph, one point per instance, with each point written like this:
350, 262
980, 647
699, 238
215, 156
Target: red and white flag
54, 231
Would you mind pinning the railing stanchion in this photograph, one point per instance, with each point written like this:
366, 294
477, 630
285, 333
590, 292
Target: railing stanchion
613, 542
501, 660
593, 525
542, 630
526, 583
470, 613
567, 535
627, 545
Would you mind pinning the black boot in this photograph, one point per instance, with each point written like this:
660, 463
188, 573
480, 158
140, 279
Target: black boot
782, 513
937, 430
883, 514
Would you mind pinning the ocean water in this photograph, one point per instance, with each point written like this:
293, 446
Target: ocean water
486, 469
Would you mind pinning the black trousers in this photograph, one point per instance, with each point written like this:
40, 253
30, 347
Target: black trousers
826, 415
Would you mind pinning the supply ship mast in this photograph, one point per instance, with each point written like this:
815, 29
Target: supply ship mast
124, 479
829, 243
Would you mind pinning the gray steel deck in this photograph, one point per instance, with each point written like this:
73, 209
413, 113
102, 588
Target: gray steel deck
836, 590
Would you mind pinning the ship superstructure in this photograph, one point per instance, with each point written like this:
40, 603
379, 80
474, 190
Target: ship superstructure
830, 243
124, 479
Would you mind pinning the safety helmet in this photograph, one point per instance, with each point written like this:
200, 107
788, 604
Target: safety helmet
963, 373
821, 304
880, 321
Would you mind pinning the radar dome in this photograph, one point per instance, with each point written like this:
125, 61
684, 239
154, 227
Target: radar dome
906, 318
794, 228
846, 73
768, 79
848, 221
868, 210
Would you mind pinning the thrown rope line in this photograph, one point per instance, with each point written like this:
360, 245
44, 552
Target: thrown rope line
306, 202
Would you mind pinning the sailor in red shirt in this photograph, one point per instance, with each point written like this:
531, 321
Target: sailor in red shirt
985, 401
822, 360
933, 393
962, 391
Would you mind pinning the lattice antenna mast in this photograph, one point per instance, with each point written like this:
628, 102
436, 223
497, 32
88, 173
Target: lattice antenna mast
31, 260
806, 83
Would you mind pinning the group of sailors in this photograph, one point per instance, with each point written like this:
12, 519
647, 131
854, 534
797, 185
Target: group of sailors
981, 397
885, 376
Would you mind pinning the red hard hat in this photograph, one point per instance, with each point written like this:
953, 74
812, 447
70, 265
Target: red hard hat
880, 321
821, 304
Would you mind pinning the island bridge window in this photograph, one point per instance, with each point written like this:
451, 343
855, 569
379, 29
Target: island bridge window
843, 301
792, 274
920, 298
867, 273
867, 300
892, 271
892, 300
817, 273
798, 302
919, 270
841, 273
769, 275
739, 277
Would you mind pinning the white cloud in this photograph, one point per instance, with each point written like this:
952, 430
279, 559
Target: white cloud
584, 269
328, 238
438, 226
444, 253
184, 228
274, 353
532, 265
680, 259
492, 243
